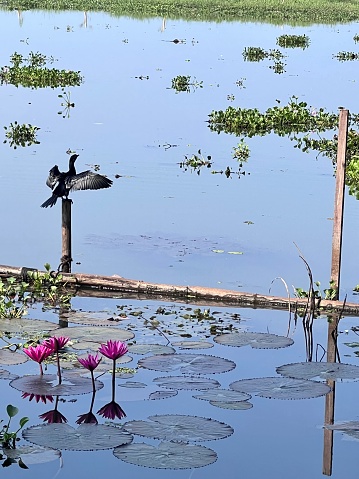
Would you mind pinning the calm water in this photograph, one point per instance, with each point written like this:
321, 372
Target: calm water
161, 224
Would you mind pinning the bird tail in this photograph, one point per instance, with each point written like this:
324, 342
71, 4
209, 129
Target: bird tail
50, 202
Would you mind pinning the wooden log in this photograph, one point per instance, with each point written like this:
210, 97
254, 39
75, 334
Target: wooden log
117, 286
66, 236
339, 201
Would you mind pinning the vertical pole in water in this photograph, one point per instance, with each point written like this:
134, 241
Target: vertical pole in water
66, 236
339, 201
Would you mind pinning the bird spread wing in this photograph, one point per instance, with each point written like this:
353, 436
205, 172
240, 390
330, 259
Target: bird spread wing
87, 180
54, 175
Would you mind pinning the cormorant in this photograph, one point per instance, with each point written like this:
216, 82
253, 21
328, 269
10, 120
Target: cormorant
62, 183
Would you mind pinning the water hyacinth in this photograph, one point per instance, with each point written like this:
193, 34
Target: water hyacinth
113, 349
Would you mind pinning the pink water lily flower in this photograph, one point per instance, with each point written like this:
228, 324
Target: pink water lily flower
113, 349
55, 344
91, 362
38, 353
53, 416
88, 418
38, 397
112, 410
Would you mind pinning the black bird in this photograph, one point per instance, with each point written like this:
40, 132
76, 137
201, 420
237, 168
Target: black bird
62, 183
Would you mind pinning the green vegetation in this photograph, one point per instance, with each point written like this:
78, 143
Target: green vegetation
294, 12
301, 124
257, 54
31, 72
293, 41
8, 439
346, 56
184, 83
21, 135
46, 287
196, 162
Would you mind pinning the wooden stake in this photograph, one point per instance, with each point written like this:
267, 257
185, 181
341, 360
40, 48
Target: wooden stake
339, 201
66, 236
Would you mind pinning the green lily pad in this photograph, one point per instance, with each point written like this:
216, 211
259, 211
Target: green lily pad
192, 344
87, 437
255, 340
10, 358
150, 348
234, 405
186, 382
166, 455
187, 363
47, 384
7, 374
94, 333
175, 427
281, 388
20, 327
33, 454
162, 394
223, 395
322, 370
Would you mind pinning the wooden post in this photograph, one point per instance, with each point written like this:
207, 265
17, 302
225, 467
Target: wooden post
339, 201
66, 236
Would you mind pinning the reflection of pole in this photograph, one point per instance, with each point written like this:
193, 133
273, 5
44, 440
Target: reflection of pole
339, 201
330, 398
66, 236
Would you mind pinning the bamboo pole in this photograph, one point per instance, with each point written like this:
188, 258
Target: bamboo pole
90, 285
66, 236
339, 201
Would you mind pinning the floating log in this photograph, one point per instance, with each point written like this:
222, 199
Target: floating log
91, 285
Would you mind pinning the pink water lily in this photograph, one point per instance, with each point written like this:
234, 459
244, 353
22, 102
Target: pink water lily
91, 362
38, 353
112, 410
88, 418
38, 397
113, 349
55, 344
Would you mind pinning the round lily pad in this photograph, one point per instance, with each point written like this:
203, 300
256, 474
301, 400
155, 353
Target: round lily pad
10, 358
322, 370
87, 437
350, 428
133, 384
234, 405
186, 382
166, 455
187, 363
18, 327
47, 384
223, 395
33, 454
7, 375
94, 333
89, 318
192, 344
255, 340
281, 388
175, 427
162, 395
150, 348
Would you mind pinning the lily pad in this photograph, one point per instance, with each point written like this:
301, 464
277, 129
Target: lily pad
281, 388
18, 327
322, 370
350, 428
10, 358
187, 363
234, 405
166, 455
162, 394
255, 340
133, 384
89, 318
175, 427
186, 382
94, 333
223, 395
87, 437
47, 384
192, 344
33, 454
150, 348
7, 374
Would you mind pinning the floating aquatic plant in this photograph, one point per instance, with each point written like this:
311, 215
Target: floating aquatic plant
322, 370
255, 340
21, 135
281, 388
186, 382
187, 363
293, 41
